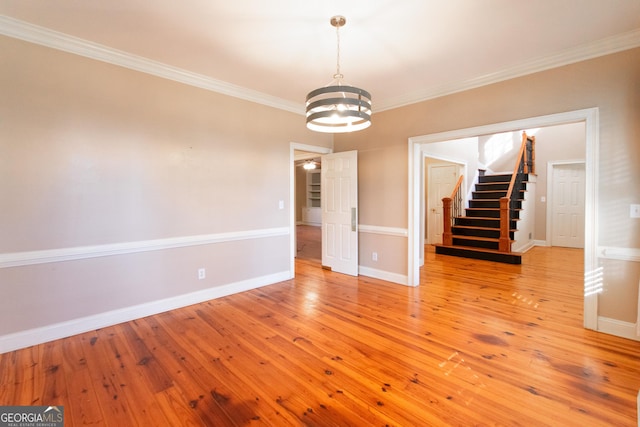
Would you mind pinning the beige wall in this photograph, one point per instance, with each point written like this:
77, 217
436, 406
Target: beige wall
92, 154
559, 143
611, 83
554, 144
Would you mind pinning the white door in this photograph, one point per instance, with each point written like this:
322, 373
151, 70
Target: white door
567, 210
340, 212
442, 180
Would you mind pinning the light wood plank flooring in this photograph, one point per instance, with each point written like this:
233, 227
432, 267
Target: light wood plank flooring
309, 242
477, 343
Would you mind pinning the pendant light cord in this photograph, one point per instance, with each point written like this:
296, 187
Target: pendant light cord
338, 76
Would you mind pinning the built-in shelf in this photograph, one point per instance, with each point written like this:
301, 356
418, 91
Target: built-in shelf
312, 213
313, 189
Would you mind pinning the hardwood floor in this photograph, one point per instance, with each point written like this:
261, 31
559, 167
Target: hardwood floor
309, 242
477, 343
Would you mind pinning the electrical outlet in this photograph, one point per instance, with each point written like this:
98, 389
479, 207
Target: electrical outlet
374, 256
201, 273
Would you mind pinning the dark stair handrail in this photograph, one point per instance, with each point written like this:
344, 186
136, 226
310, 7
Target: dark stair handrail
525, 164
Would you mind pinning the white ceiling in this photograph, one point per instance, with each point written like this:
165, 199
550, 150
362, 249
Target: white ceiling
401, 51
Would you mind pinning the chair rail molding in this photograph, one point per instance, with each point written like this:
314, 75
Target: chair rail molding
18, 259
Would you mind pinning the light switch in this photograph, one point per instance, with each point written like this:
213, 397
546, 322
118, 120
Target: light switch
281, 204
634, 211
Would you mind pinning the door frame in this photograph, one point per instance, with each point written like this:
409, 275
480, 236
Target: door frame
293, 146
462, 170
590, 117
549, 215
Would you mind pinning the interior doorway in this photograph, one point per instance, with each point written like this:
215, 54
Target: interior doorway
298, 155
440, 180
416, 190
308, 168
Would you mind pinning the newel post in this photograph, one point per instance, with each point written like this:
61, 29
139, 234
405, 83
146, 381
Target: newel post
447, 237
504, 244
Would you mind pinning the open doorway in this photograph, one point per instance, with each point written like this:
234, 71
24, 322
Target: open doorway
589, 118
305, 215
555, 192
308, 168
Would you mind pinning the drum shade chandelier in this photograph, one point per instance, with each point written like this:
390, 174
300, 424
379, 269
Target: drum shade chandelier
338, 107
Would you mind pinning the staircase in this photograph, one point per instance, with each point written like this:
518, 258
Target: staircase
477, 234
487, 229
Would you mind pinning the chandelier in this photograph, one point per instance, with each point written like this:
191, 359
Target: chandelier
338, 107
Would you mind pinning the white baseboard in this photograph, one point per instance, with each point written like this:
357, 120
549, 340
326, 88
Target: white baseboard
524, 248
400, 279
617, 328
56, 331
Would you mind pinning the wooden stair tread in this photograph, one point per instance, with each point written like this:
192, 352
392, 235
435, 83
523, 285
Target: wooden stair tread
485, 254
481, 217
476, 227
488, 209
485, 250
481, 239
499, 182
482, 209
492, 200
494, 191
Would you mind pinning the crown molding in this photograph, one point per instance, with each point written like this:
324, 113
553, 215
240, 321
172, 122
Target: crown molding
609, 45
56, 40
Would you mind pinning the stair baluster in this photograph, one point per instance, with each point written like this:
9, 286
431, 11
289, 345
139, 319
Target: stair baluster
524, 164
